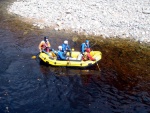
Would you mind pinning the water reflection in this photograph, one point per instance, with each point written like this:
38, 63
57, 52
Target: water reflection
71, 85
84, 74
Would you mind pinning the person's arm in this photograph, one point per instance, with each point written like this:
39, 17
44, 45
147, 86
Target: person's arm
48, 43
40, 46
82, 48
88, 45
63, 47
68, 47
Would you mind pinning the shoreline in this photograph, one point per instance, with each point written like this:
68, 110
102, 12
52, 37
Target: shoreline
123, 19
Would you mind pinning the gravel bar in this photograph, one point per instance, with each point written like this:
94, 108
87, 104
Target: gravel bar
109, 18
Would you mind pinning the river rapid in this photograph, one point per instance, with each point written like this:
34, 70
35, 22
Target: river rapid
29, 86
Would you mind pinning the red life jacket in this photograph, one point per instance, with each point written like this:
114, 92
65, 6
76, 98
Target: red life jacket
45, 46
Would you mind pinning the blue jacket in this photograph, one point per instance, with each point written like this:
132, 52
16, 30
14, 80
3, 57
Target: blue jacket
61, 56
84, 46
65, 47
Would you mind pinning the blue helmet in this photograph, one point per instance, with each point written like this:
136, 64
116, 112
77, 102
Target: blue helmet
87, 41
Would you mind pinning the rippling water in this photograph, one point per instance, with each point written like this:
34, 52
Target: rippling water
29, 86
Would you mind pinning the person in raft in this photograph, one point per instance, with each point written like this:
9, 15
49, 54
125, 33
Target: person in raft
60, 54
66, 48
45, 46
87, 56
85, 46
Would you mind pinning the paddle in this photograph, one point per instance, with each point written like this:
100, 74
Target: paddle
35, 56
98, 66
93, 44
96, 61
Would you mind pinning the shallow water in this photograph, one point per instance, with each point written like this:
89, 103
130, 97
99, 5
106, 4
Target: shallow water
29, 86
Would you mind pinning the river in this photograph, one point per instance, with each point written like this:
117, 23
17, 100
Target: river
29, 86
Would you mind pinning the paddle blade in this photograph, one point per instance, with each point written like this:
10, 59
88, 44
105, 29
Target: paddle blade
33, 57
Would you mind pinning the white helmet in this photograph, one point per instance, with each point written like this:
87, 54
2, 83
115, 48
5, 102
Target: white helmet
65, 42
60, 47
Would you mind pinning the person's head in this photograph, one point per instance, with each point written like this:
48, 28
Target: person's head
45, 38
87, 41
66, 42
60, 47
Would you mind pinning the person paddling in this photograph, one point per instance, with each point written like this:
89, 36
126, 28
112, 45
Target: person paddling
45, 46
66, 48
60, 54
85, 46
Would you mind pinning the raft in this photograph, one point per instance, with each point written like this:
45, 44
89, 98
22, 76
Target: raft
52, 60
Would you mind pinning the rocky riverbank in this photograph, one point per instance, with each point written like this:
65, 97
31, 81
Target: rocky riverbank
115, 18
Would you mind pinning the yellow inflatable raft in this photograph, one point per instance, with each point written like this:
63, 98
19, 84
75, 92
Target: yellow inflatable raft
74, 60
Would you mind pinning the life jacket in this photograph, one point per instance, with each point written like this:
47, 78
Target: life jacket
88, 50
45, 46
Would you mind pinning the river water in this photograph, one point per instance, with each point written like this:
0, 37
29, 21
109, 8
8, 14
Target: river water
29, 86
